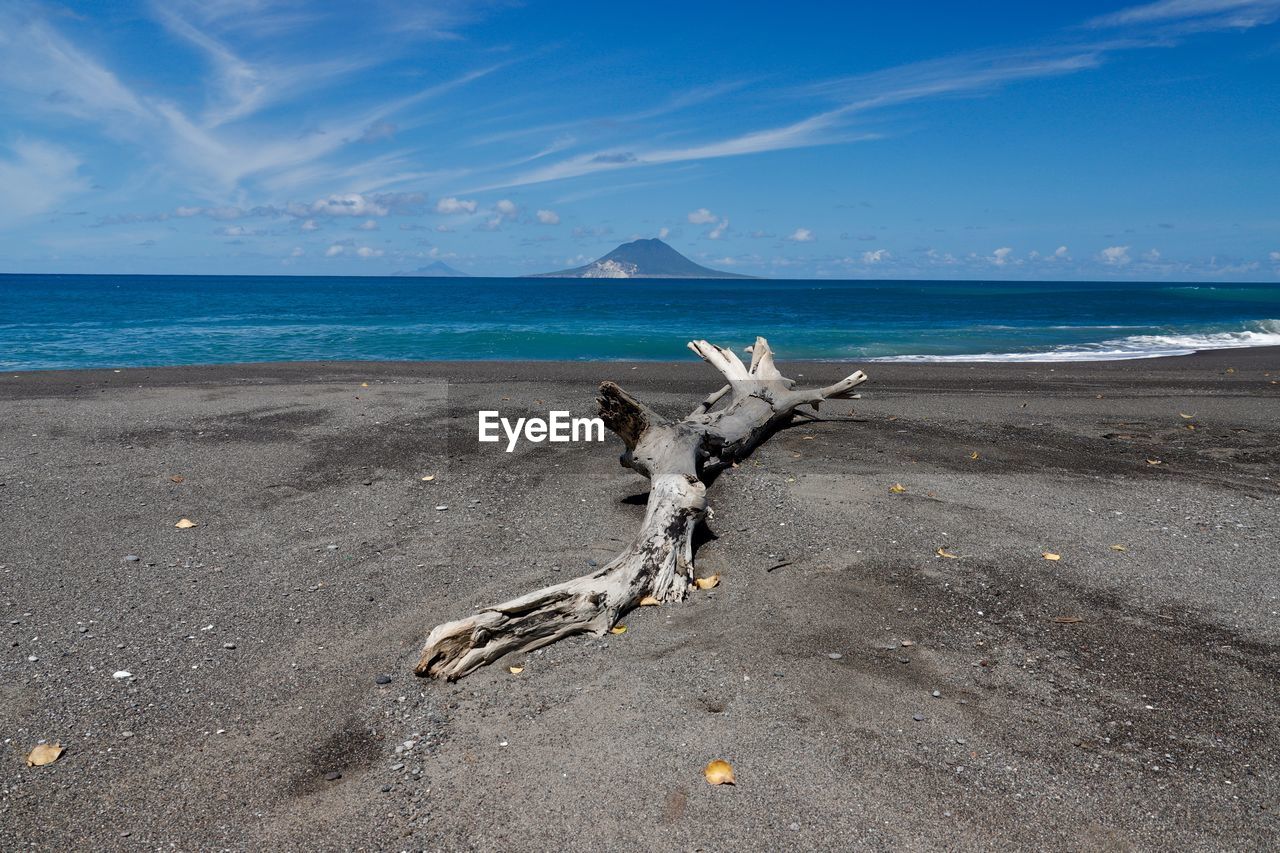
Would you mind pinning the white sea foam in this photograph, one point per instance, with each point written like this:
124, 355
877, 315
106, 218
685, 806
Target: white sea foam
1264, 333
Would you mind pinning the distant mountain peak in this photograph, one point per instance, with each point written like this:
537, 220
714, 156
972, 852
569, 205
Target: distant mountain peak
439, 269
644, 258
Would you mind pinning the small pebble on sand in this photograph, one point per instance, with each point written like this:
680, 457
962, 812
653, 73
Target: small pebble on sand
919, 718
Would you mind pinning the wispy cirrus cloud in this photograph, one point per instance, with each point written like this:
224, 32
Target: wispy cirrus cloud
1216, 14
221, 139
35, 177
1154, 25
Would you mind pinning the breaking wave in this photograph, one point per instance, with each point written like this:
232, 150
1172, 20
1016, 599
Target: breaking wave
1263, 333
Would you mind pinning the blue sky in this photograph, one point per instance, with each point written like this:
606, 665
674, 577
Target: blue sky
906, 140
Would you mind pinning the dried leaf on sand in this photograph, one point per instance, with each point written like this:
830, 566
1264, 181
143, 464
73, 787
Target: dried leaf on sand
45, 753
719, 773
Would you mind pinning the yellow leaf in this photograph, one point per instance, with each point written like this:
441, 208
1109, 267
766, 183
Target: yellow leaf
1185, 416
428, 478
897, 488
1154, 462
974, 455
185, 523
618, 629
806, 438
1118, 548
1049, 555
649, 601
1231, 370
943, 552
1190, 426
364, 384
45, 753
707, 583
719, 773
515, 670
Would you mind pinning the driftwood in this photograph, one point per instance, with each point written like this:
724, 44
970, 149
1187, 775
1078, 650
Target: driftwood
677, 457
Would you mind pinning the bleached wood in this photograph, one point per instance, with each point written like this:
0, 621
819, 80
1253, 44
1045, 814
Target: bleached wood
675, 456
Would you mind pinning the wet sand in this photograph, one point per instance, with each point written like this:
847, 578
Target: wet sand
1112, 699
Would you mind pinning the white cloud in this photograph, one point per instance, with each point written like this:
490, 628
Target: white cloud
334, 250
875, 257
452, 206
702, 216
801, 235
368, 225
367, 252
548, 217
36, 178
349, 204
1061, 253
1000, 256
297, 252
378, 130
1151, 255
506, 208
664, 231
718, 232
211, 148
235, 231
1115, 256
220, 213
310, 225
1275, 256
1210, 14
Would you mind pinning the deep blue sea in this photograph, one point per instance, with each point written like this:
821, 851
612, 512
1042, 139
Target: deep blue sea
56, 321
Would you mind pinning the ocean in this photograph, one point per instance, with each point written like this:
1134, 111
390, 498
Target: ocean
61, 321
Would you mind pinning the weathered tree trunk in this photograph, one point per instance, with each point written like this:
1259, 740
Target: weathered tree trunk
675, 456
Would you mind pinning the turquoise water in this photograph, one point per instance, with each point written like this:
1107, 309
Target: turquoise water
118, 321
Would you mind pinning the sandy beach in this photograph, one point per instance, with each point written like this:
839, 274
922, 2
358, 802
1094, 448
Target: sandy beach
870, 693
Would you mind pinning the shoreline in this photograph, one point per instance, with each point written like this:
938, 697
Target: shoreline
1246, 357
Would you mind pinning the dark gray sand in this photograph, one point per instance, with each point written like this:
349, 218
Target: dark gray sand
256, 640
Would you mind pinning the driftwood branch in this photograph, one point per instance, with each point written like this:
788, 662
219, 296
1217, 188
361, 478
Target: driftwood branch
676, 456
